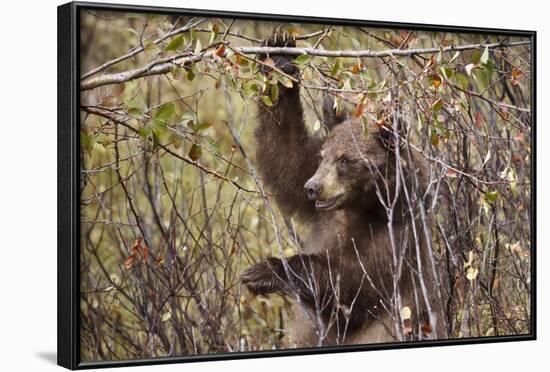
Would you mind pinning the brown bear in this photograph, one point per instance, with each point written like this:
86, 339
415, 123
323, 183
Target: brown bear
365, 271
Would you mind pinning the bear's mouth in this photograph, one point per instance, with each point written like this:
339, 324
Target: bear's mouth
326, 204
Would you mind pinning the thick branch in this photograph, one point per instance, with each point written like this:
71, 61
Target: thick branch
163, 66
372, 53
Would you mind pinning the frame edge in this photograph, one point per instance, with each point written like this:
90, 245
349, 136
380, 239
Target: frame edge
68, 178
66, 266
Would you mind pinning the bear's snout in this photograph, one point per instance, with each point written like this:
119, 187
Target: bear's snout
312, 189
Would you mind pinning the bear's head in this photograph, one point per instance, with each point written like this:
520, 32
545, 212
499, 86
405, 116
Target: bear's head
353, 159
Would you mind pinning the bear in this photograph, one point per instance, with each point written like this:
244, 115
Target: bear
364, 272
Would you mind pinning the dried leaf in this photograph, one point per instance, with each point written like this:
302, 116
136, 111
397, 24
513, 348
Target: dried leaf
516, 73
407, 326
451, 173
520, 137
109, 101
436, 81
434, 139
130, 261
359, 110
119, 90
268, 61
144, 252
195, 152
220, 52
478, 119
426, 328
160, 260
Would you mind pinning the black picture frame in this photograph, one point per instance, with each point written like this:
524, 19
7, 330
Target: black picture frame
68, 343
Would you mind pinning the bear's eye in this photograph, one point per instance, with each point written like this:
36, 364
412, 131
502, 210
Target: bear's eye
343, 161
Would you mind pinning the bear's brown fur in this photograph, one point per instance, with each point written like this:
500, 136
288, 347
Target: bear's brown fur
353, 280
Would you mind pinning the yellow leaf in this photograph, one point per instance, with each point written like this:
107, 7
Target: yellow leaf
470, 259
166, 316
471, 274
405, 313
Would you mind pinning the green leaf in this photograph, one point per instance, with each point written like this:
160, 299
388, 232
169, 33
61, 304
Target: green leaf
151, 47
492, 196
214, 147
420, 122
175, 43
302, 59
165, 112
446, 72
86, 141
177, 72
284, 80
251, 87
158, 127
336, 67
267, 101
202, 127
190, 75
462, 80
275, 92
215, 29
438, 105
476, 56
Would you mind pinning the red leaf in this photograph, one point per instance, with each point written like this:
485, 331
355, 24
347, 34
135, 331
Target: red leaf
426, 328
220, 52
129, 262
145, 252
359, 110
478, 119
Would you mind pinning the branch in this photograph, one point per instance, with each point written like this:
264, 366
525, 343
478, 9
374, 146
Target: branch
136, 50
163, 66
118, 119
140, 48
372, 53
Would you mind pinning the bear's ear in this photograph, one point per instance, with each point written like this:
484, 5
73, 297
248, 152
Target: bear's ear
330, 117
388, 139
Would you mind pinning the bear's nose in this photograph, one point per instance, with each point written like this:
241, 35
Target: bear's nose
312, 189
